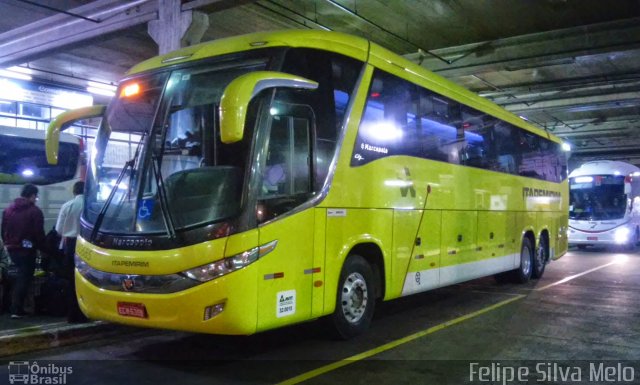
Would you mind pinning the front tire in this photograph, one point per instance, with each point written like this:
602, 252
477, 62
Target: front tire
523, 273
540, 258
355, 301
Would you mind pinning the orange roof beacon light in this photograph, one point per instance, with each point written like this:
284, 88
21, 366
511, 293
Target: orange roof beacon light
130, 90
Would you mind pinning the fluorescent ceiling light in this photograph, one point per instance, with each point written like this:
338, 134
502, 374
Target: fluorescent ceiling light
100, 91
566, 146
15, 75
22, 70
103, 86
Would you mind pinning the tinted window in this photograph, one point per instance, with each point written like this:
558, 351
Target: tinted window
23, 160
401, 118
336, 76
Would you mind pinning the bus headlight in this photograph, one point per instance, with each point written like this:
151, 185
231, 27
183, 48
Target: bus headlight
228, 265
224, 266
622, 235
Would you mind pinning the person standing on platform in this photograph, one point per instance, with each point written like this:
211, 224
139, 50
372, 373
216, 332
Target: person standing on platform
67, 226
23, 233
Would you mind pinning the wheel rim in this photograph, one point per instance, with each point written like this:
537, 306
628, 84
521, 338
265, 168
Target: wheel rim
354, 297
525, 263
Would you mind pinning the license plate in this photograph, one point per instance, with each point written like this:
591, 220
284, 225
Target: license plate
592, 238
130, 309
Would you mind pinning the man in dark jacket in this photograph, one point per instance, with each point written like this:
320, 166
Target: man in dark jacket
23, 234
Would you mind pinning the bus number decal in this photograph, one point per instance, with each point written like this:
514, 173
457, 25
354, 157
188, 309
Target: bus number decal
285, 303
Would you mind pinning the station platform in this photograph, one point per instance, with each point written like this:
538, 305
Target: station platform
37, 332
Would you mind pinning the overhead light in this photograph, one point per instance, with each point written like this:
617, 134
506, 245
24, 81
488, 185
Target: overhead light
22, 70
15, 75
535, 65
104, 86
100, 91
566, 146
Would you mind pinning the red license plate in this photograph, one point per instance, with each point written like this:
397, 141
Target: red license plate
592, 238
130, 309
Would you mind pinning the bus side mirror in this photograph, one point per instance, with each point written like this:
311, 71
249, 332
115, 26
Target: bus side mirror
62, 122
236, 97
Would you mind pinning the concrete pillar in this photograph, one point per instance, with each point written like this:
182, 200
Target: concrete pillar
175, 29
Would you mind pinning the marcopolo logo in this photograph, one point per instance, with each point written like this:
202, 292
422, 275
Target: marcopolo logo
24, 372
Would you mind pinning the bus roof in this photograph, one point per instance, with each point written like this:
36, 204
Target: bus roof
604, 167
34, 134
349, 45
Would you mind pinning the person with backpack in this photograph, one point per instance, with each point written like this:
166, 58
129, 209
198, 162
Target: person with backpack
23, 234
67, 226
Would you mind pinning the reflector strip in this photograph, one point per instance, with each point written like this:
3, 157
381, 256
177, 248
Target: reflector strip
274, 276
312, 270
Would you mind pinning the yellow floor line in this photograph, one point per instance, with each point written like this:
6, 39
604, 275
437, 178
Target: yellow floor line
393, 344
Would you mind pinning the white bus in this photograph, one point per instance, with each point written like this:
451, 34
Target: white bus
23, 160
604, 204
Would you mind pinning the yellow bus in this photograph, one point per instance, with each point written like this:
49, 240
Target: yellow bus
285, 176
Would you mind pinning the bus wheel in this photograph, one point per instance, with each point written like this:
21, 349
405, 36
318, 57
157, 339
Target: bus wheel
356, 298
540, 259
523, 273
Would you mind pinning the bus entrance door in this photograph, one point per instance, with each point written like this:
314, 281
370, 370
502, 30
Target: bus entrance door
285, 279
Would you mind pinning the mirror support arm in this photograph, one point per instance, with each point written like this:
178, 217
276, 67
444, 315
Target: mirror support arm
236, 97
63, 121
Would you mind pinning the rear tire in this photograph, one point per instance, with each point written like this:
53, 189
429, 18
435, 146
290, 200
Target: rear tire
540, 258
523, 273
355, 301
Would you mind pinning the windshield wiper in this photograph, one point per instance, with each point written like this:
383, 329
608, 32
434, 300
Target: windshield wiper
131, 163
162, 194
96, 227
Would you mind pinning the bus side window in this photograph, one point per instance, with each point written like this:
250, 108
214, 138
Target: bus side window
287, 177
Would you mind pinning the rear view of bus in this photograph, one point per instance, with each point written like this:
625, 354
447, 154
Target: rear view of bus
604, 203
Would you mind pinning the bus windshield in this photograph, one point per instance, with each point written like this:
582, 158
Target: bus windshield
599, 197
160, 139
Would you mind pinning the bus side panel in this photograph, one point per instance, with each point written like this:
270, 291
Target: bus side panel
317, 308
459, 229
527, 221
347, 228
494, 230
405, 227
424, 266
558, 239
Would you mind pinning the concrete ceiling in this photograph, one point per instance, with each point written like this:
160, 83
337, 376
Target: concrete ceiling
569, 66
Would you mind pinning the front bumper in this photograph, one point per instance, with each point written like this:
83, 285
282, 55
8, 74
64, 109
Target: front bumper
602, 238
183, 310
